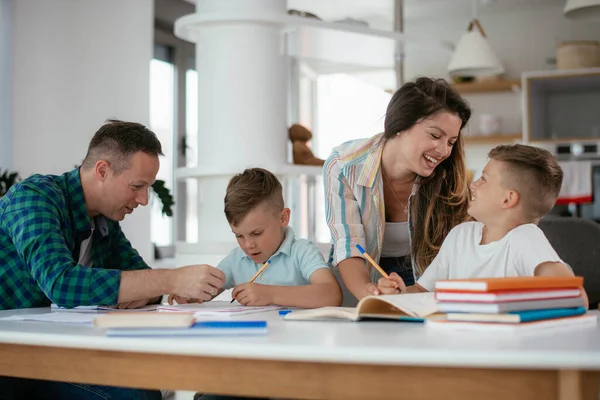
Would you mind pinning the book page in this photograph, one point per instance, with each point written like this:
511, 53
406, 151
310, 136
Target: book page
216, 309
96, 309
412, 304
323, 313
61, 318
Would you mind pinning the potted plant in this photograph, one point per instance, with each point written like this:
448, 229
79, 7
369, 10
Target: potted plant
7, 179
164, 195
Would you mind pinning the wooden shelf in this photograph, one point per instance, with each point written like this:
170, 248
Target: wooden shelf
491, 139
507, 85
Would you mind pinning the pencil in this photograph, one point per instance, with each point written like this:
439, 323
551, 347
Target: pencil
257, 274
368, 257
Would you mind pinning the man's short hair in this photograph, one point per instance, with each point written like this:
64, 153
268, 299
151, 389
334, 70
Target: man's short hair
534, 173
116, 141
250, 189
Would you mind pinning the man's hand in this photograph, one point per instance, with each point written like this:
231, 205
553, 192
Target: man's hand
252, 294
134, 304
181, 300
197, 282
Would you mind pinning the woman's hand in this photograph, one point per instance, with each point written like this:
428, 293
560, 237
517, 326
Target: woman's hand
391, 285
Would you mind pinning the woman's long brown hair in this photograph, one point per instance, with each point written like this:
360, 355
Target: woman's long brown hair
441, 200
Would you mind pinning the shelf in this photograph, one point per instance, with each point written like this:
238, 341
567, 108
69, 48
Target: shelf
289, 170
509, 85
328, 47
561, 106
491, 139
186, 27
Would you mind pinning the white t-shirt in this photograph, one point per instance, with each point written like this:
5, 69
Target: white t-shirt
462, 256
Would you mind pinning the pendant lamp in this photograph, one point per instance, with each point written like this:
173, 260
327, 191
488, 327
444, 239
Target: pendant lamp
473, 55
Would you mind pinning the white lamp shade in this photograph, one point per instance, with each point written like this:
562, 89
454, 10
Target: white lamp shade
473, 56
582, 10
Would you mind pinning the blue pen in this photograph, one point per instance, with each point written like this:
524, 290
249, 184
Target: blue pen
368, 257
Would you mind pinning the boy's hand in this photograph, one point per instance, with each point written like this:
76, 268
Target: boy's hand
181, 300
392, 285
252, 294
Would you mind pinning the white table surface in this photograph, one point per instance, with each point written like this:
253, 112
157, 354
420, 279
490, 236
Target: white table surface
382, 343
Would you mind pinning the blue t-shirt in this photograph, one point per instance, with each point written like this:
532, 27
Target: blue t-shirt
291, 265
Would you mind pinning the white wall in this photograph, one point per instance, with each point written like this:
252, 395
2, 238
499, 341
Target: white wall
6, 78
523, 39
77, 63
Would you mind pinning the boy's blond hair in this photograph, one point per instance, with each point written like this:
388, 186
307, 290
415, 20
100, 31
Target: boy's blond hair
249, 189
534, 173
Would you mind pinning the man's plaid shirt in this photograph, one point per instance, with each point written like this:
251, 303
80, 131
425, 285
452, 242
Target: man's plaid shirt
43, 221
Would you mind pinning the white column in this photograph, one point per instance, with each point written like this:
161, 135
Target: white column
242, 101
76, 64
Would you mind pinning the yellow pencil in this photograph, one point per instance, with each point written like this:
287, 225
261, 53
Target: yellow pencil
260, 271
368, 257
257, 274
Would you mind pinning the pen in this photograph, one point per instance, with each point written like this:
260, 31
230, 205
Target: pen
368, 257
257, 274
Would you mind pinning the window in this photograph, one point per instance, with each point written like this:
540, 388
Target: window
162, 77
173, 117
346, 108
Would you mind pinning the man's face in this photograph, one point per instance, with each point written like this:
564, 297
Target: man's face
124, 191
261, 232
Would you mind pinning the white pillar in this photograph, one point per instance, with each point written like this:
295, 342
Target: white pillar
242, 101
76, 64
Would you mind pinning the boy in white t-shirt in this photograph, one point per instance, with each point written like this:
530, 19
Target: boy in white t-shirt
518, 186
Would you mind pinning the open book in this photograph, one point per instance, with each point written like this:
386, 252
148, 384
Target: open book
401, 307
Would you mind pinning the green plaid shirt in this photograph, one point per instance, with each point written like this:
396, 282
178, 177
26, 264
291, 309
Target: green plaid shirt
43, 221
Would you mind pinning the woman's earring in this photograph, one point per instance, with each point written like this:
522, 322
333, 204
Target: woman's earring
397, 133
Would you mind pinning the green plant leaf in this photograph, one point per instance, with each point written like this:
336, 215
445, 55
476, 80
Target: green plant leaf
165, 197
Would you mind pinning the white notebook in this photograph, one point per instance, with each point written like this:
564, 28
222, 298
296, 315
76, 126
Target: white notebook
216, 309
95, 309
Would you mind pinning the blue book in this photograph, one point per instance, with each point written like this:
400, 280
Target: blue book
516, 317
201, 328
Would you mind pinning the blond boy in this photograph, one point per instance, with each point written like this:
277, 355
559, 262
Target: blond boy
518, 186
298, 275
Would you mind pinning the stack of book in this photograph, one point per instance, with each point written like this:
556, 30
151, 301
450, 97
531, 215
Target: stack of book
509, 303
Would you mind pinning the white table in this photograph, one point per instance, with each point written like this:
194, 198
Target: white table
316, 360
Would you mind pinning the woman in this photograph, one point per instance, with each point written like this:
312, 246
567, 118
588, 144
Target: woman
400, 192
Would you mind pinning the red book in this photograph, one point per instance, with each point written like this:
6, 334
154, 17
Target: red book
512, 283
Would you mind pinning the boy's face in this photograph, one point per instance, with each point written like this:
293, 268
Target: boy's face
488, 193
261, 232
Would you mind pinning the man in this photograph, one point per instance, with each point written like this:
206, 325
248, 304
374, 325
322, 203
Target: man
60, 240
